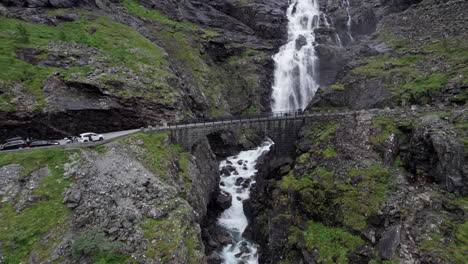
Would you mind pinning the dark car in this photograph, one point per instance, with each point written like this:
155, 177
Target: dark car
14, 144
13, 139
43, 143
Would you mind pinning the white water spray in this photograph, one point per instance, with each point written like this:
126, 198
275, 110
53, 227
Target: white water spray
237, 184
295, 73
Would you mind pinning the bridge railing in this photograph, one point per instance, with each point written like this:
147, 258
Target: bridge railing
208, 121
230, 119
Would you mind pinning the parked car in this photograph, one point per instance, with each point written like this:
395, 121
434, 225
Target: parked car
90, 136
43, 143
13, 139
14, 144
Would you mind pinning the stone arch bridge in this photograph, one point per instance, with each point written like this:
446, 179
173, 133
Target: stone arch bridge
281, 127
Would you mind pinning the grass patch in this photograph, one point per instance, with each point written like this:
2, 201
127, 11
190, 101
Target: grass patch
322, 196
21, 233
338, 86
135, 8
454, 250
122, 43
160, 155
35, 160
420, 89
321, 133
388, 129
332, 243
163, 237
329, 152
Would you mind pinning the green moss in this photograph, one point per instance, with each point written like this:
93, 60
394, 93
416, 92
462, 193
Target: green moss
321, 133
392, 41
421, 88
23, 232
454, 249
163, 237
414, 83
304, 158
329, 152
321, 195
211, 80
134, 8
337, 86
124, 44
362, 199
388, 129
386, 64
160, 155
332, 243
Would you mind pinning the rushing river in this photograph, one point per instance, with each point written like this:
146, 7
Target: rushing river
236, 181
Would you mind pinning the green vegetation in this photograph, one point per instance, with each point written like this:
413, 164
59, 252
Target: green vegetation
388, 128
101, 248
416, 83
134, 8
122, 44
454, 250
163, 237
332, 243
23, 232
393, 41
329, 152
160, 156
421, 88
348, 203
337, 86
322, 133
187, 53
35, 160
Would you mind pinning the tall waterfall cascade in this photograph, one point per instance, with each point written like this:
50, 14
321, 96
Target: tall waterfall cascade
348, 22
295, 77
237, 184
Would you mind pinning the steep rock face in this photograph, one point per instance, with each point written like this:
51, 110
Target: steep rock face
391, 53
142, 60
358, 192
141, 199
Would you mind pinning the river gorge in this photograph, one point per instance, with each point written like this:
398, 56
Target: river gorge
378, 177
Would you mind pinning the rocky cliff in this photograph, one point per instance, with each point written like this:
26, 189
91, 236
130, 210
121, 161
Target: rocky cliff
113, 65
141, 199
377, 187
372, 188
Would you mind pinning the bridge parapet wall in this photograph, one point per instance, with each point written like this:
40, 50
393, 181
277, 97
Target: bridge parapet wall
283, 131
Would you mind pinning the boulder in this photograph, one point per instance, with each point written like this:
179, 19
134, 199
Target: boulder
389, 242
224, 200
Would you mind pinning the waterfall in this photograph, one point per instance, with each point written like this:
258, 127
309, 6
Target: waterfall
296, 62
348, 22
236, 181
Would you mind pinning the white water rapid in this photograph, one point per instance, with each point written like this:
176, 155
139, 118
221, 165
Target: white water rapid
237, 182
295, 72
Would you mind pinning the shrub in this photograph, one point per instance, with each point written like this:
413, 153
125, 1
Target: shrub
95, 243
